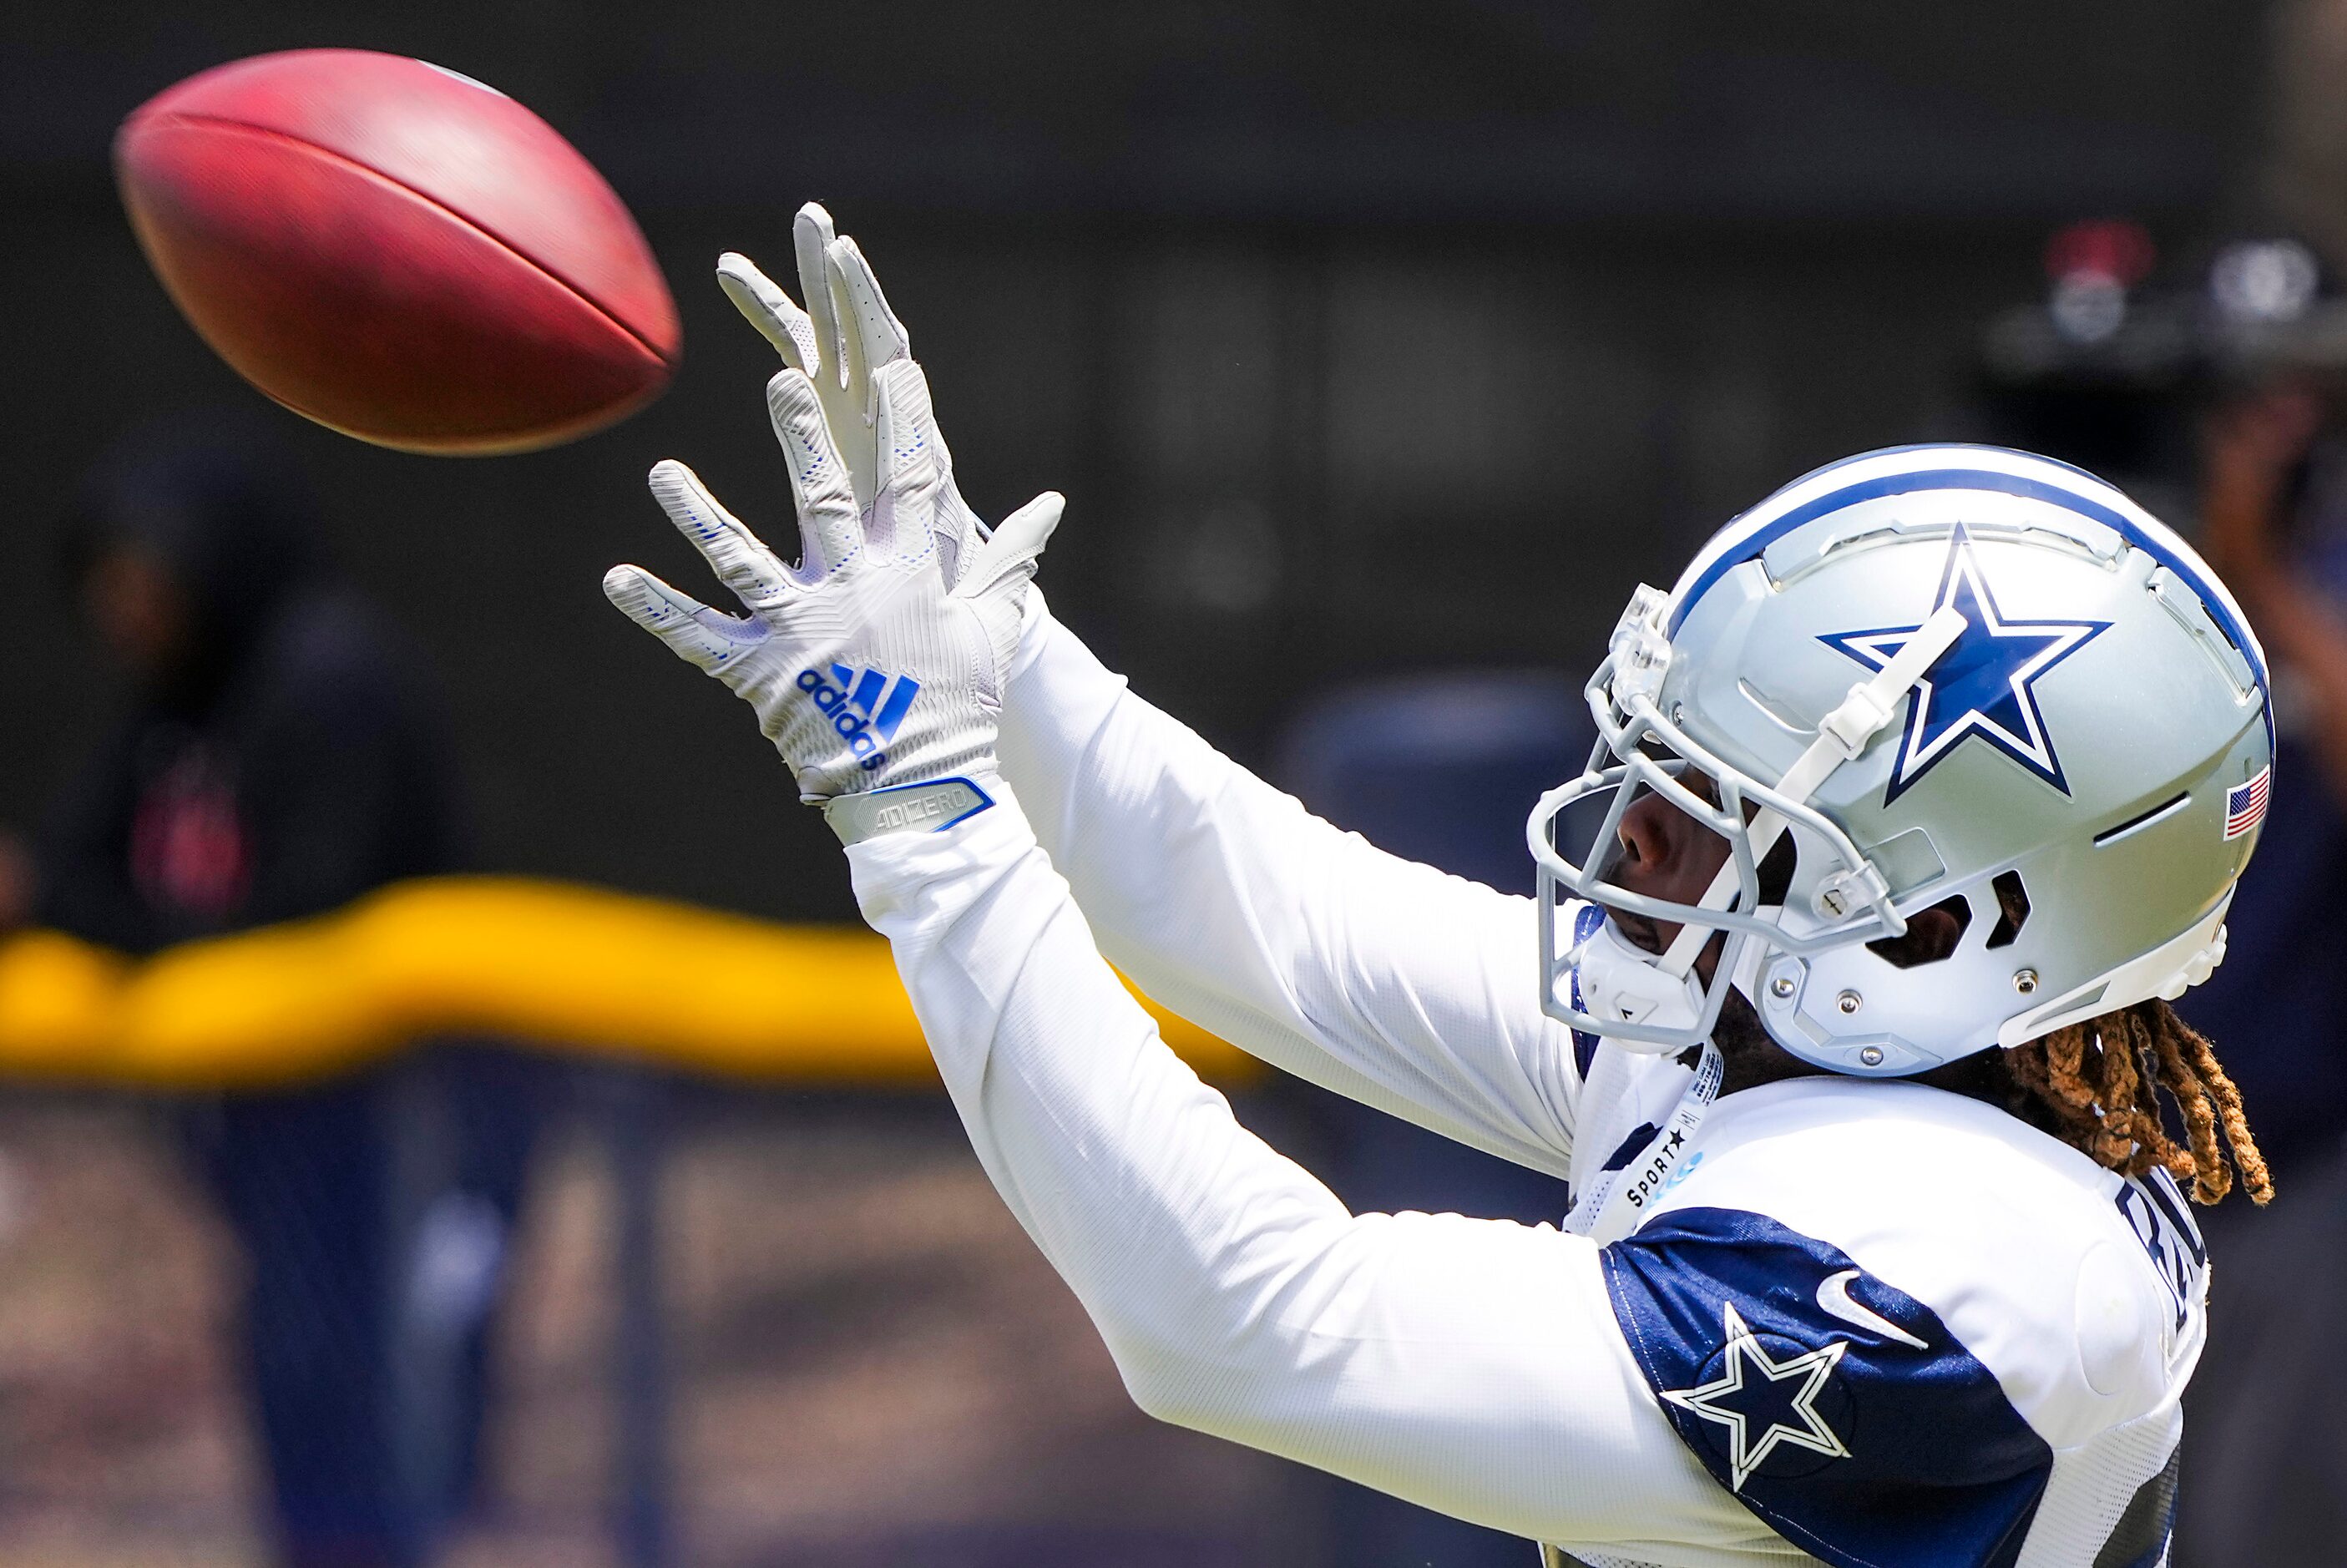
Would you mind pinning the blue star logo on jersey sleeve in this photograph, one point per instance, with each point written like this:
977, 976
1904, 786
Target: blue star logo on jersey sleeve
1764, 1402
1983, 684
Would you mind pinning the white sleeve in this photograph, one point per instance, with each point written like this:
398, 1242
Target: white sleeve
1471, 1366
1222, 898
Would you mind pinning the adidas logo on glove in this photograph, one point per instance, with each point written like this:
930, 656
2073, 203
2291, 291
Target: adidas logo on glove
858, 710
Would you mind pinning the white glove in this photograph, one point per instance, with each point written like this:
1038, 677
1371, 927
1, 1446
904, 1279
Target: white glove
849, 343
866, 670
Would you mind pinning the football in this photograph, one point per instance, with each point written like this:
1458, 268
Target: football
398, 251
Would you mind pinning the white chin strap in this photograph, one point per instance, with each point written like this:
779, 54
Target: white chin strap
1618, 981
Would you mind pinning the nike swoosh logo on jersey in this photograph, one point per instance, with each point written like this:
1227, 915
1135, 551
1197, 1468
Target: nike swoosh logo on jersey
1834, 1300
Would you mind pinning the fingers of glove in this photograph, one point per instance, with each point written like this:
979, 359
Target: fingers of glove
811, 236
764, 306
739, 557
819, 479
1009, 556
906, 508
846, 393
871, 327
859, 365
697, 634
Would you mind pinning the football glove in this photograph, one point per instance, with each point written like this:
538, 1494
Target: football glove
867, 667
851, 344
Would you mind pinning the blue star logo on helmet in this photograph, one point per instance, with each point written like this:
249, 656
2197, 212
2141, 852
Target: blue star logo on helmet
1985, 685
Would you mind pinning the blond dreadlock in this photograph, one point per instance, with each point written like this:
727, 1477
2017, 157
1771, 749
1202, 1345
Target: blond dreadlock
2095, 1085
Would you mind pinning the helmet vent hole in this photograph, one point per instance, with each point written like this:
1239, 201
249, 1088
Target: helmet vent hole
1933, 935
2012, 908
2140, 820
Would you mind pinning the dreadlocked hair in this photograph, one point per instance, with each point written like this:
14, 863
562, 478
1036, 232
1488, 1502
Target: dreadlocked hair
2095, 1085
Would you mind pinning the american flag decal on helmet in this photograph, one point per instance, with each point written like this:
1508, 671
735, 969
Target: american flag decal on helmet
2245, 807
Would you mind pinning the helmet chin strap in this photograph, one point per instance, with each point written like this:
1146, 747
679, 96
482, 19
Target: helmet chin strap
1841, 735
1618, 981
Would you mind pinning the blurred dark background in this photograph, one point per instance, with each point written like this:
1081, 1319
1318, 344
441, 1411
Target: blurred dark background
1372, 343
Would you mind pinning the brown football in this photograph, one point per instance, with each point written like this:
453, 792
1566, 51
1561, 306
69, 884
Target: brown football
398, 251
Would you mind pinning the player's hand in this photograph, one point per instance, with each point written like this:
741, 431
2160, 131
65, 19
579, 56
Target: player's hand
867, 667
849, 343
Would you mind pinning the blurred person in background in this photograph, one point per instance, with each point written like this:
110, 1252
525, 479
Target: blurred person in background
2273, 508
282, 755
2265, 1425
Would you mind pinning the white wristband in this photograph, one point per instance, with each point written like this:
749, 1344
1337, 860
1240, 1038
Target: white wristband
930, 807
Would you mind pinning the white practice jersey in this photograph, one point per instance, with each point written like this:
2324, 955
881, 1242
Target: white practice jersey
1862, 1323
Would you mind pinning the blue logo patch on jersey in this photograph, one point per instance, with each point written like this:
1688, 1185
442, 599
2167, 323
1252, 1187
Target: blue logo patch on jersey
1763, 1401
1983, 685
1840, 1410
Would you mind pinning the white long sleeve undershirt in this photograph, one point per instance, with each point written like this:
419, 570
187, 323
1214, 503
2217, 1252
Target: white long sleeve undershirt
1471, 1366
1385, 981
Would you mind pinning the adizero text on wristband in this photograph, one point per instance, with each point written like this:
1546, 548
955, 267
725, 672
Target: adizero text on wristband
930, 807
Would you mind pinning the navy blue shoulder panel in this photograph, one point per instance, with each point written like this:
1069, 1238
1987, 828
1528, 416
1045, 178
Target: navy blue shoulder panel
1839, 1410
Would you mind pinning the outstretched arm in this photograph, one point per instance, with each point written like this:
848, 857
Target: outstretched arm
1384, 980
1226, 900
1471, 1366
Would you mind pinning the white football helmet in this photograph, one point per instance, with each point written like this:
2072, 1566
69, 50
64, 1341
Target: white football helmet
1955, 675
